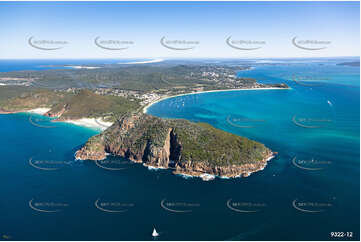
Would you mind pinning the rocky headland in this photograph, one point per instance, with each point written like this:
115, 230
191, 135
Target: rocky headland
188, 148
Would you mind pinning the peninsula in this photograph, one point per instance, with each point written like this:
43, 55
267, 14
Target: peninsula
187, 148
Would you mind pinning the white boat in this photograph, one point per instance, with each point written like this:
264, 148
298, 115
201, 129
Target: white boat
155, 233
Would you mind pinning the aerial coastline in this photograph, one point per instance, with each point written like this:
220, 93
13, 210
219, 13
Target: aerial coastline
40, 111
93, 123
142, 62
120, 113
185, 147
145, 108
180, 121
96, 123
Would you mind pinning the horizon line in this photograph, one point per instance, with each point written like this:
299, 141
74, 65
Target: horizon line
179, 58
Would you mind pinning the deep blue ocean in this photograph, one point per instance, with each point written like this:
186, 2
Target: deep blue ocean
311, 188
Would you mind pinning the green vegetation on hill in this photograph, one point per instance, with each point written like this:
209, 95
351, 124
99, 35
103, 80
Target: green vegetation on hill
140, 78
83, 103
135, 77
20, 98
203, 142
197, 142
7, 92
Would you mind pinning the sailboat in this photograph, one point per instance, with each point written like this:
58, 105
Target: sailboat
155, 233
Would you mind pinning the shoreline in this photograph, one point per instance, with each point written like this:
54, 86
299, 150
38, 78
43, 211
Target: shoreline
83, 67
40, 111
142, 62
210, 177
145, 108
92, 123
88, 123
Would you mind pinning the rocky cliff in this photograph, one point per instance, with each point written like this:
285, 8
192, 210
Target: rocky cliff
186, 147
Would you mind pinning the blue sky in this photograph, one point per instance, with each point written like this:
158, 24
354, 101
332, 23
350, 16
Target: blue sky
273, 24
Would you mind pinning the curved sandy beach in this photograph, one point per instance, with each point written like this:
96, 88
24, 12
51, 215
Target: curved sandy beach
90, 123
85, 122
40, 111
145, 108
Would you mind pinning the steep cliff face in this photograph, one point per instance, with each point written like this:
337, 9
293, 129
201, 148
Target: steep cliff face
199, 168
94, 149
188, 148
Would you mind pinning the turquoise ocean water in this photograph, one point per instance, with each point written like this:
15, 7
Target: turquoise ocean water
308, 191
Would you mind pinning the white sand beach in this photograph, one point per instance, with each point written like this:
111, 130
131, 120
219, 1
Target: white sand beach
223, 90
91, 123
97, 123
84, 67
143, 62
41, 111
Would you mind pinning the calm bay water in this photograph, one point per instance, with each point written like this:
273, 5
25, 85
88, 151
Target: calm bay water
309, 190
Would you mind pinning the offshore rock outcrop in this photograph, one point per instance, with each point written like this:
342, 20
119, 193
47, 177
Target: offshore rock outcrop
186, 147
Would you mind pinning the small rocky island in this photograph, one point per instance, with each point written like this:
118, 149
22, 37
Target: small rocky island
188, 148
